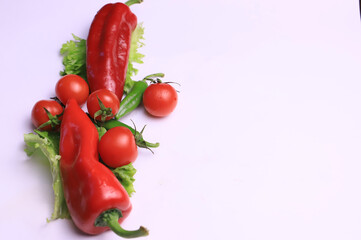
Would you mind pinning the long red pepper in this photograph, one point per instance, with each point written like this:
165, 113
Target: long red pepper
108, 47
95, 198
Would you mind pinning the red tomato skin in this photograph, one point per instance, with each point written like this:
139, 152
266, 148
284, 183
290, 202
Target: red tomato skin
117, 147
160, 99
39, 116
72, 86
108, 98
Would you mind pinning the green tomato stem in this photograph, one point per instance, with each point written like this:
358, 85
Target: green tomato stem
154, 75
138, 135
151, 145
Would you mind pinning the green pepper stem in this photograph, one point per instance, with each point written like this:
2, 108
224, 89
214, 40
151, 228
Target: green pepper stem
131, 2
111, 219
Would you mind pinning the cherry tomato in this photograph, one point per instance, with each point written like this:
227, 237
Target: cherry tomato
108, 99
117, 147
39, 115
72, 86
160, 99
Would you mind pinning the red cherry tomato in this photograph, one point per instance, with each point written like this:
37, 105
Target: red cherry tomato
117, 147
72, 86
109, 100
39, 115
160, 99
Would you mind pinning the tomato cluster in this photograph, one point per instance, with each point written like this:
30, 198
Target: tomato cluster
117, 146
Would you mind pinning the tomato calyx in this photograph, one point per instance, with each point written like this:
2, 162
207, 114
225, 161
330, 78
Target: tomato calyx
104, 112
154, 78
53, 121
139, 140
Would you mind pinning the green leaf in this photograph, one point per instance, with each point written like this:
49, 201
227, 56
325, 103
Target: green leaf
101, 131
125, 176
48, 144
74, 57
134, 56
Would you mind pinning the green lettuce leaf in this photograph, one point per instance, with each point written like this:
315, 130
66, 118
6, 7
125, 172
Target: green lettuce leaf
48, 144
101, 131
74, 57
125, 176
137, 41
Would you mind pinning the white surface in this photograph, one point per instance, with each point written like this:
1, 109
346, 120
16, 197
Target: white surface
264, 144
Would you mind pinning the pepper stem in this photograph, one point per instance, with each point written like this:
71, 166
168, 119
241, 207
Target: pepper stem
139, 140
110, 218
131, 2
117, 229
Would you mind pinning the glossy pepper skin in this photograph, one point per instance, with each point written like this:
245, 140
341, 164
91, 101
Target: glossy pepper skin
132, 100
90, 188
108, 47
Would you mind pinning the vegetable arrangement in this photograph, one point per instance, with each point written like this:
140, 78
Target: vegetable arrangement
91, 152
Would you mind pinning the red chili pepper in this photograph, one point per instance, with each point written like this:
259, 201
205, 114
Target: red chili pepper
95, 198
108, 47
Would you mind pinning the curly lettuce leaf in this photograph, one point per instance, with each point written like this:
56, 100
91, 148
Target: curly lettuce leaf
74, 57
48, 144
137, 41
125, 176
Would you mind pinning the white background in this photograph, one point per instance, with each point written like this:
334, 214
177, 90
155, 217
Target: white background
264, 143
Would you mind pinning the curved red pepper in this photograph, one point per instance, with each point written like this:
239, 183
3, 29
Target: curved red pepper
90, 188
108, 47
